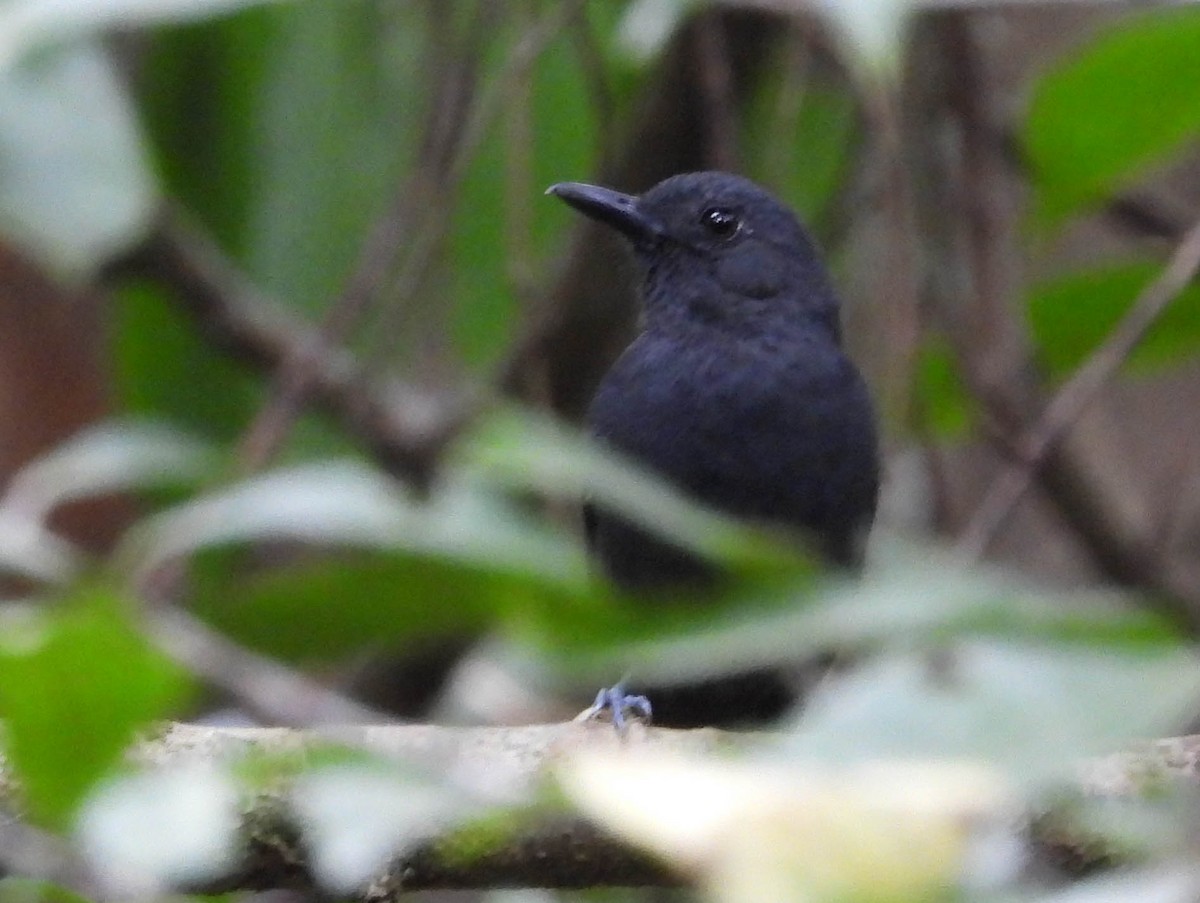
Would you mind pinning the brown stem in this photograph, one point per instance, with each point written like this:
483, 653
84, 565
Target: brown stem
1070, 402
405, 427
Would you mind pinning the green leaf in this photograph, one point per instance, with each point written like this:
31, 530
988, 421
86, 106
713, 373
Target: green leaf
910, 596
75, 182
337, 115
807, 163
164, 369
1072, 315
463, 557
347, 504
1105, 115
519, 450
946, 407
1034, 710
32, 890
76, 684
400, 568
27, 24
501, 245
200, 95
107, 458
309, 113
367, 600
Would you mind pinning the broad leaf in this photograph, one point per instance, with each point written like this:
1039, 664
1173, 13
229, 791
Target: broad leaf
76, 186
110, 457
75, 685
175, 826
1072, 315
1105, 115
27, 25
1034, 710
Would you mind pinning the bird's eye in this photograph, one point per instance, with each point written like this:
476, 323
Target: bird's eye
720, 221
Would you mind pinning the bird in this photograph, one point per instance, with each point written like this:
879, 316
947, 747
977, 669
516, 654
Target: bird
736, 388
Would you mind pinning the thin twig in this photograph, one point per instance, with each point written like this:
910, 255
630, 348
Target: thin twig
405, 427
603, 105
896, 280
520, 189
1077, 393
796, 75
410, 202
477, 119
269, 690
714, 77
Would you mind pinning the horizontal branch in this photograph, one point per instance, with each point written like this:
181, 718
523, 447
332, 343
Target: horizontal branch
538, 845
526, 837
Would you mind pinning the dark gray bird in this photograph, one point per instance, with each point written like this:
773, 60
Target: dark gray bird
736, 389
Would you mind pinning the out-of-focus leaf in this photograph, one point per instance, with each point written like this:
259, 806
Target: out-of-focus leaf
522, 451
800, 132
107, 458
826, 132
911, 598
169, 828
647, 25
165, 370
26, 24
207, 79
346, 503
309, 113
887, 831
338, 105
1173, 884
506, 234
946, 407
30, 890
75, 684
873, 33
356, 818
462, 558
1073, 314
1033, 710
399, 568
75, 184
372, 600
1106, 114
29, 549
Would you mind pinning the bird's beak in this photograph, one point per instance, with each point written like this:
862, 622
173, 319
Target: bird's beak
610, 207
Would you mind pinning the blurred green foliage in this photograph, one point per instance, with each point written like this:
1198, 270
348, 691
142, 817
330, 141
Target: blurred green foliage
285, 129
1071, 316
76, 684
1104, 116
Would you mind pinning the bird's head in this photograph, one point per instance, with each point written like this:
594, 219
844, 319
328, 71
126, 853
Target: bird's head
715, 246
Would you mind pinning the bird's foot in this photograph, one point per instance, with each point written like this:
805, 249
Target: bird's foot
617, 705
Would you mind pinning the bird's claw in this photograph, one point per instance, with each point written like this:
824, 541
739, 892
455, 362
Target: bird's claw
617, 704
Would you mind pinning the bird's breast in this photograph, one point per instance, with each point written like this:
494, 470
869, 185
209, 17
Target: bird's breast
748, 427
